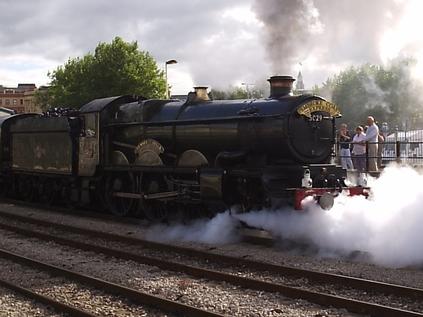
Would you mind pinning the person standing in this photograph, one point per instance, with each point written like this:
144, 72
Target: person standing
372, 139
380, 140
359, 149
345, 153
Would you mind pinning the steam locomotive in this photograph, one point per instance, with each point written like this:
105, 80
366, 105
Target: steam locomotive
162, 158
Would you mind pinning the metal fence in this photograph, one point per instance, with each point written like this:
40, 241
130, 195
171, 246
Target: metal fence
399, 146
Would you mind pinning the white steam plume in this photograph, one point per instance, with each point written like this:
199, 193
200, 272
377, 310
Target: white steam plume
388, 225
220, 229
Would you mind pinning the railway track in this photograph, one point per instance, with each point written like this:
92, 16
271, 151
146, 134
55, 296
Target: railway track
133, 295
85, 213
46, 300
248, 234
320, 298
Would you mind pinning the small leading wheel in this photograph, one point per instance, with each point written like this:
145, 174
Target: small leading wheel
153, 210
117, 185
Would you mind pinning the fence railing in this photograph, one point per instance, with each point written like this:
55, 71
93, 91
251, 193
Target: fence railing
408, 152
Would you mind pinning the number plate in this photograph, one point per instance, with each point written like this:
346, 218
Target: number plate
316, 118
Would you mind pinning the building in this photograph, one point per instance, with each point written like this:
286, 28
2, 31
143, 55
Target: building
300, 83
20, 99
300, 87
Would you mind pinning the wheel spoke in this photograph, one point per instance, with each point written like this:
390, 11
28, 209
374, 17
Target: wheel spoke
120, 206
155, 210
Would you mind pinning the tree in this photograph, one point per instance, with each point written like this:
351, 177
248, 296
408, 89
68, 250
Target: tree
387, 93
114, 69
236, 93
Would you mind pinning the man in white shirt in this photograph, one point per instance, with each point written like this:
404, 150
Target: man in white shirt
372, 137
359, 150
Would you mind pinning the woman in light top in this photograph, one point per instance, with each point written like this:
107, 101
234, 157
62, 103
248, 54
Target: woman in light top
359, 149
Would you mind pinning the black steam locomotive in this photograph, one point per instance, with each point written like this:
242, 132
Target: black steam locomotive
161, 158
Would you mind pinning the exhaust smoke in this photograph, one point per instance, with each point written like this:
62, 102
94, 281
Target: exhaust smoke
326, 35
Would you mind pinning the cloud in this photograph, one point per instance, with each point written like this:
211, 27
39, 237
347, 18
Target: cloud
212, 45
217, 43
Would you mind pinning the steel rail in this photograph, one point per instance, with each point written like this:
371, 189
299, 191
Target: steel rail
316, 276
132, 294
293, 292
46, 300
89, 214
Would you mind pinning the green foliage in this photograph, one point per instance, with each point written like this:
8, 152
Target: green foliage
387, 93
236, 93
216, 94
114, 69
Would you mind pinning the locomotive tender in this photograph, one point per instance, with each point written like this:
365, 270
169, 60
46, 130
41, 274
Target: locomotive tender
159, 158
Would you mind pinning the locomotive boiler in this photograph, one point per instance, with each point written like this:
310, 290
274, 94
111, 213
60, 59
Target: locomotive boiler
273, 131
161, 158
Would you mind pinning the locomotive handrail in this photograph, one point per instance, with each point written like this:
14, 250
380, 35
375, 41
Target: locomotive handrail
205, 120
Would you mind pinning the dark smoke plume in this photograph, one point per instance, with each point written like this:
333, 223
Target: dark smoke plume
332, 32
288, 25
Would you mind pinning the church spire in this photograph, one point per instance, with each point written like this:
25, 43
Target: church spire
300, 83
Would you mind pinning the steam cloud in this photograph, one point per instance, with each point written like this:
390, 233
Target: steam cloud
387, 225
220, 229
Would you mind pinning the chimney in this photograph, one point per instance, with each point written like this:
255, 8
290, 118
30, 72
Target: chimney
280, 86
198, 95
201, 92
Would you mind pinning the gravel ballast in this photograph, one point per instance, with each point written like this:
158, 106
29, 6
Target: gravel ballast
219, 297
15, 305
404, 276
70, 292
205, 294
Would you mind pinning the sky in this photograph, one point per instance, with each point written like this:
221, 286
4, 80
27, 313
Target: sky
216, 43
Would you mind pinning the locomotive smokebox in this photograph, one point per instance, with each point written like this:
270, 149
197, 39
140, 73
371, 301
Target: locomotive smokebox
280, 86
